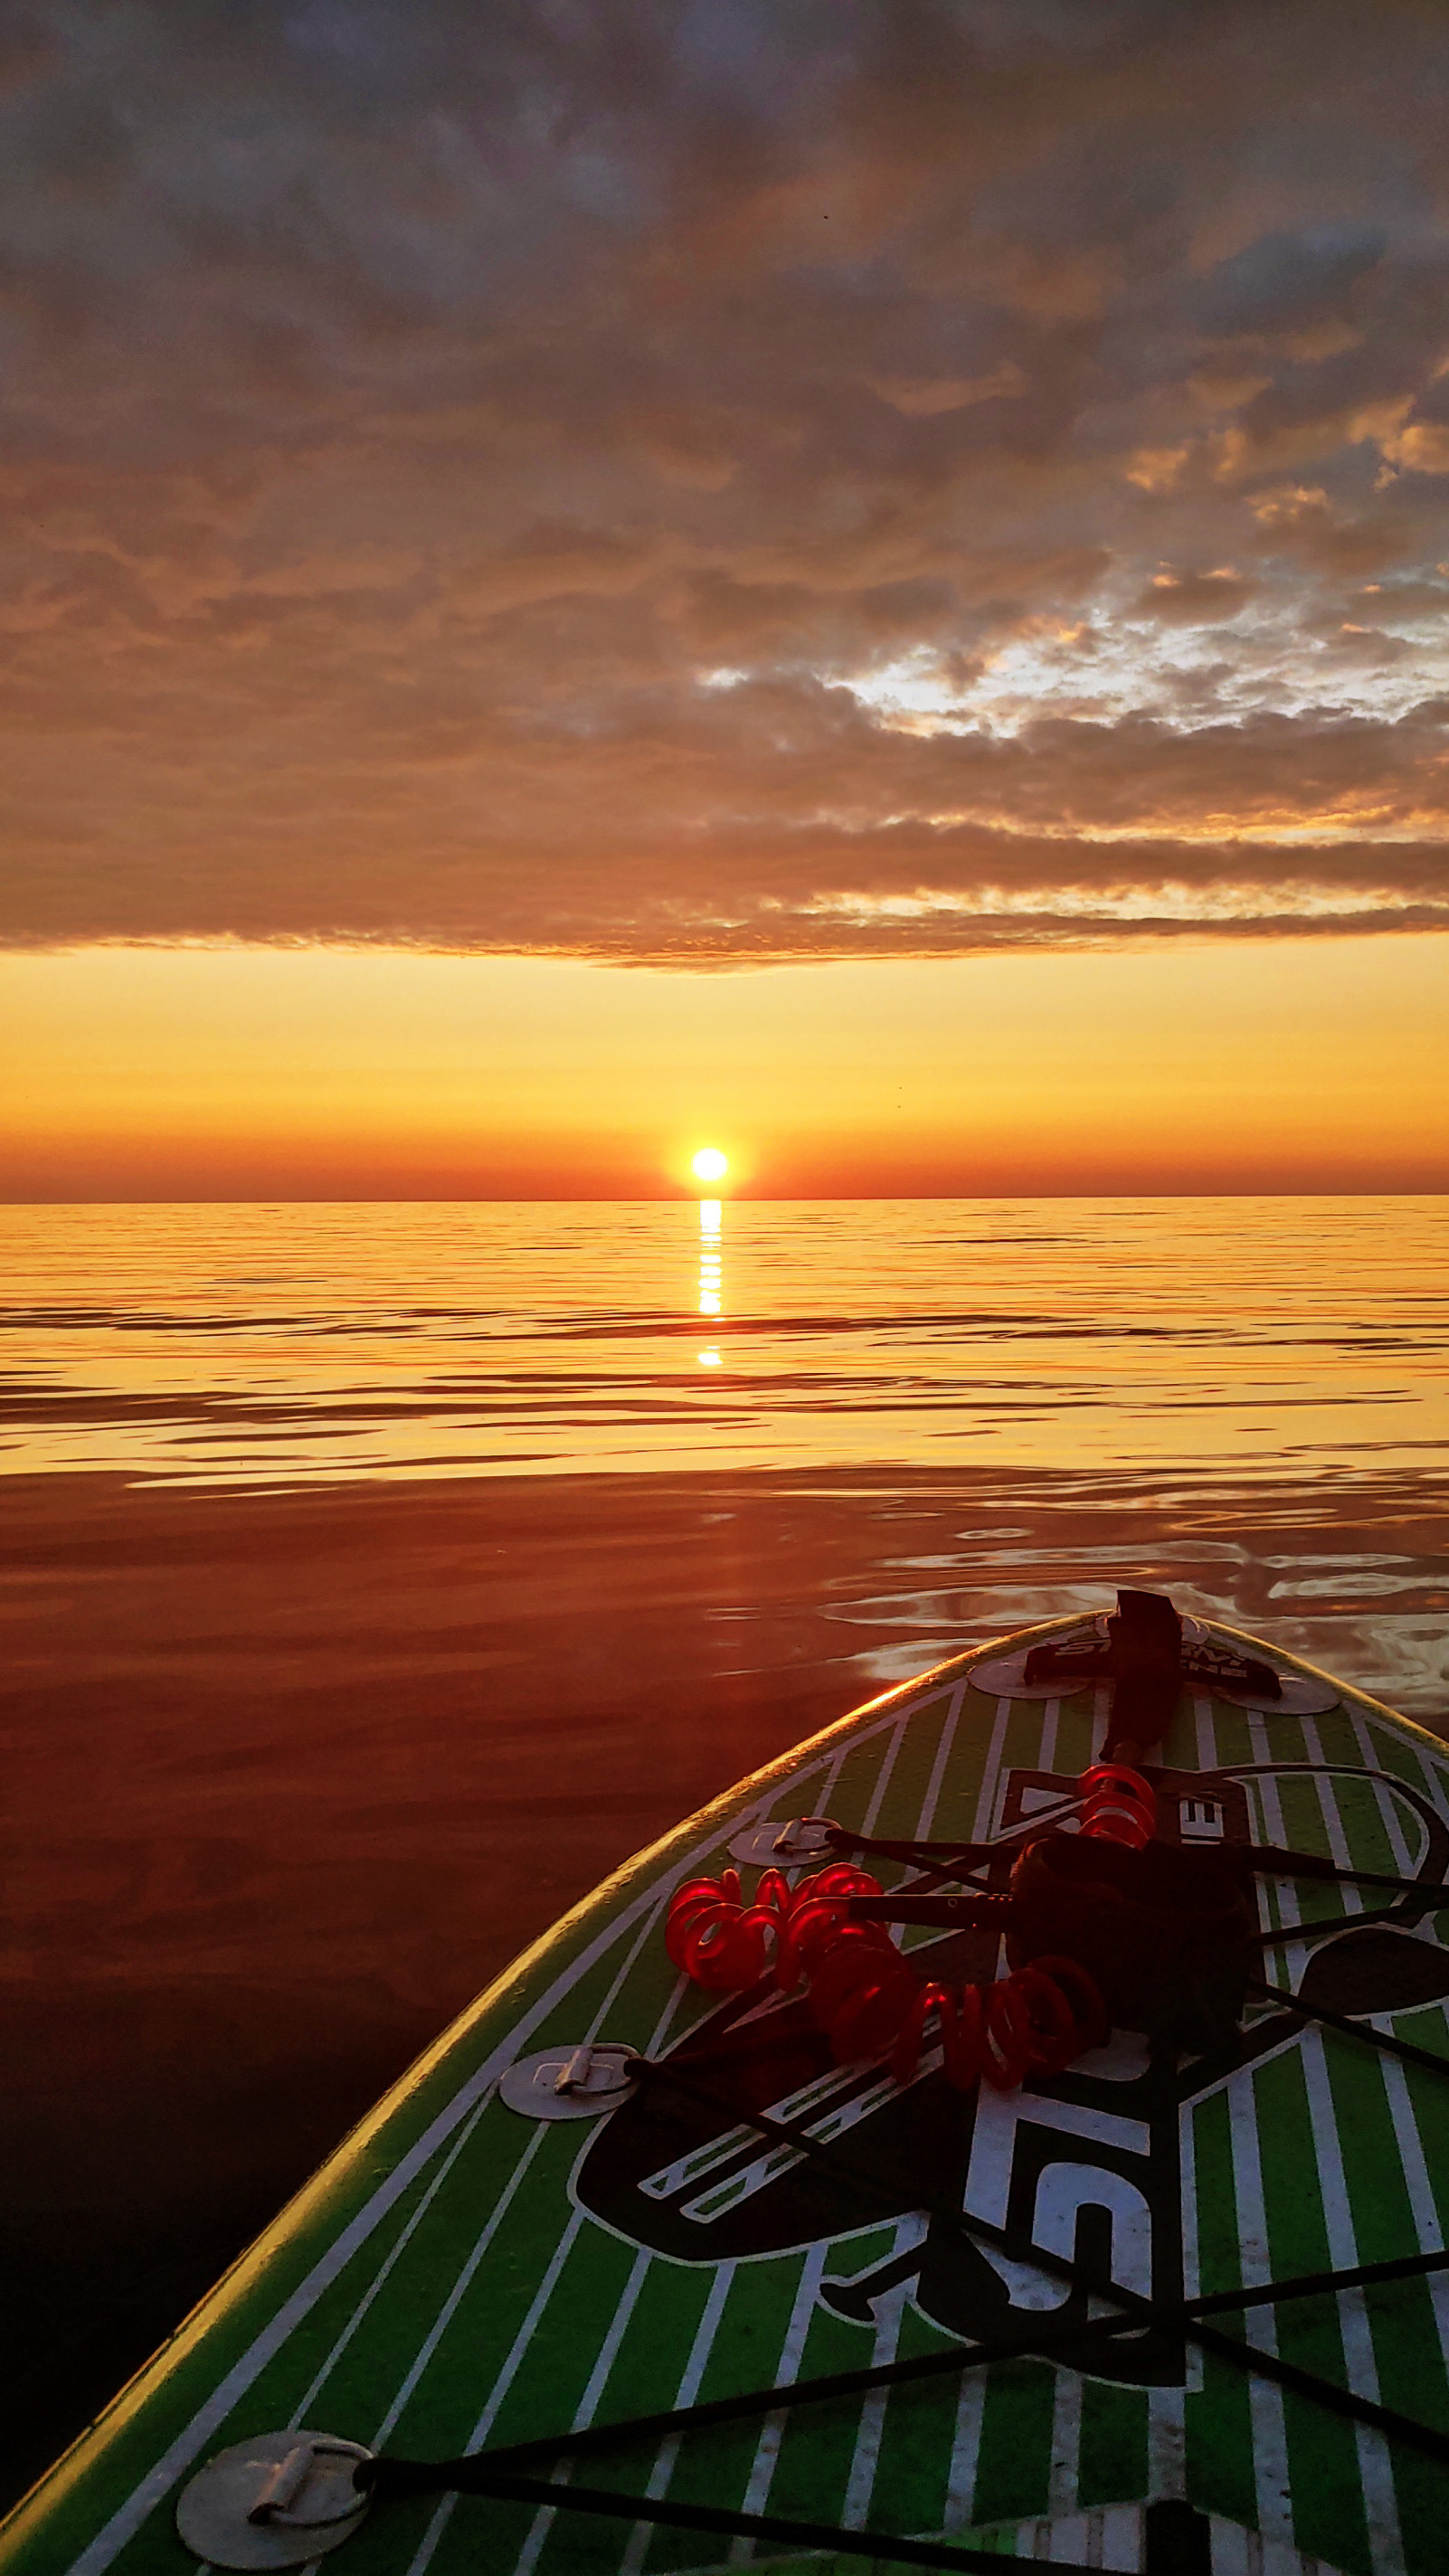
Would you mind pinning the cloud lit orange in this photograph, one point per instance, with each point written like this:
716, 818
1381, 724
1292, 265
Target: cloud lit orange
729, 486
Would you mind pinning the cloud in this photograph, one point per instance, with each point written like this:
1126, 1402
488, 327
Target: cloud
1290, 281
1196, 598
921, 397
726, 482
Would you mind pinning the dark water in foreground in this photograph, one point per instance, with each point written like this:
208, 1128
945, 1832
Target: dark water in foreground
375, 1578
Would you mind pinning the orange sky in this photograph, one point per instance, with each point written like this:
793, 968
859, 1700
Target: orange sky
1271, 1064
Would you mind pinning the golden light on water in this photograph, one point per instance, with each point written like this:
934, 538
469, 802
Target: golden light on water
710, 1164
711, 1264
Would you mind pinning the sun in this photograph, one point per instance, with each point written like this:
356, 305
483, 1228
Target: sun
710, 1164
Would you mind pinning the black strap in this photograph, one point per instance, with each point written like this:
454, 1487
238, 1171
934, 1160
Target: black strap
980, 1910
872, 2180
1261, 1860
1270, 1860
505, 2484
477, 2473
1386, 2040
388, 2477
1280, 1936
497, 2474
939, 1856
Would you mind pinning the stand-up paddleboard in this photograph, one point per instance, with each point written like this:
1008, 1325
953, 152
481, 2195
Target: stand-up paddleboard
1177, 2304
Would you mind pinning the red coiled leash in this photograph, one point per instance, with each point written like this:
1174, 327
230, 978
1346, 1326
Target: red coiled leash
864, 1995
1118, 1805
721, 1942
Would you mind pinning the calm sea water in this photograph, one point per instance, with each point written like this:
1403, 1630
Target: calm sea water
1250, 1363
260, 1343
374, 1578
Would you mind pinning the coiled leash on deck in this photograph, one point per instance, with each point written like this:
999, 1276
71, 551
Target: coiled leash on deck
1105, 1927
865, 1995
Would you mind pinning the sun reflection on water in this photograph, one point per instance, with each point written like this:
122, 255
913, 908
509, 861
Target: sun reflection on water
711, 1270
275, 1346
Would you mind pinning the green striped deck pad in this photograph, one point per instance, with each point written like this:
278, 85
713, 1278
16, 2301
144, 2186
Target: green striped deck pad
458, 2275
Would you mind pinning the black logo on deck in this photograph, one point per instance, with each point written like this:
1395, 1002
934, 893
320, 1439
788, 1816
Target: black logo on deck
1085, 2164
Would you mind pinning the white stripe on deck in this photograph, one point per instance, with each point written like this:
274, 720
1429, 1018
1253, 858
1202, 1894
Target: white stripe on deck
502, 2384
1278, 1900
1066, 2443
932, 1799
772, 2432
1405, 1860
986, 1803
681, 1990
1349, 1897
686, 2394
965, 2453
1432, 1781
886, 1766
1375, 2463
302, 2412
1425, 2208
587, 2408
1265, 2398
1266, 1785
1046, 1759
1166, 2443
471, 2261
889, 2312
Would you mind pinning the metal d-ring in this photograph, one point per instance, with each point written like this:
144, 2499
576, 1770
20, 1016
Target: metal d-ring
571, 2081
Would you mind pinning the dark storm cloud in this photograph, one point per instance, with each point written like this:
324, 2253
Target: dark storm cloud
723, 481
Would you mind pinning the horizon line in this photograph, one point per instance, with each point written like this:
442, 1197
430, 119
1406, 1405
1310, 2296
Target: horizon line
744, 1198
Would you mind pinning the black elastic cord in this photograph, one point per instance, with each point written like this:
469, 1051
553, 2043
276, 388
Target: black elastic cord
1391, 2046
1271, 1860
510, 2488
1263, 1860
1279, 1937
1136, 2314
1338, 2401
495, 2474
982, 1910
407, 2477
920, 1855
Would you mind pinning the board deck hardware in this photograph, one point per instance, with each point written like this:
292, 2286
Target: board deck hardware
278, 2500
575, 2082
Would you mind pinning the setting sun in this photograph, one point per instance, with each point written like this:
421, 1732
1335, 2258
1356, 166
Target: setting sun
710, 1164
